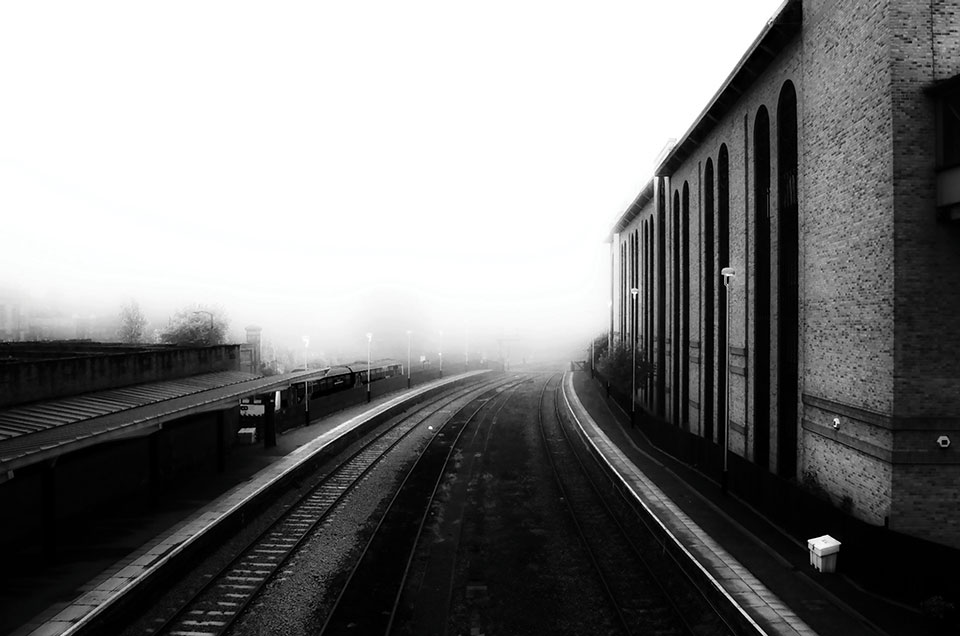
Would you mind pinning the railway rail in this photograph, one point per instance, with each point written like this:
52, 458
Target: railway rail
369, 602
636, 595
212, 609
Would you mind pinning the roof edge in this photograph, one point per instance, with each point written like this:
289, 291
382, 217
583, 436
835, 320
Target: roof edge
787, 19
633, 210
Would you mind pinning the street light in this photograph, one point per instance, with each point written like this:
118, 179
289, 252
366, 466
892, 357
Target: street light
409, 336
633, 367
441, 354
306, 345
728, 274
369, 340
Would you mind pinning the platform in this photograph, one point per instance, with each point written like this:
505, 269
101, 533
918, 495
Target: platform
293, 450
766, 573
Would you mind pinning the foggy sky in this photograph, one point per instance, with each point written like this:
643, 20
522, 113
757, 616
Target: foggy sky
329, 169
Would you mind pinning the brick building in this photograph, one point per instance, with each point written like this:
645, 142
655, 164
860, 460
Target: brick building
826, 173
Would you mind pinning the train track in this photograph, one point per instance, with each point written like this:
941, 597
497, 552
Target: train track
212, 609
369, 602
639, 601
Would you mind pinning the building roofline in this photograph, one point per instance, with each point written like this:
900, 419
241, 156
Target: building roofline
771, 41
20, 451
633, 210
779, 30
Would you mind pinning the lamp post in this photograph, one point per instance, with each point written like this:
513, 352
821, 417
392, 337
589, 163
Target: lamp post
209, 313
728, 274
633, 367
441, 354
409, 337
306, 345
369, 340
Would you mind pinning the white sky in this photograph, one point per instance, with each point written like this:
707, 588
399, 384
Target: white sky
293, 162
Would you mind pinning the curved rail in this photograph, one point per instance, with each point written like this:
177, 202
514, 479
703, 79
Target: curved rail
722, 627
367, 602
573, 515
634, 615
423, 521
215, 606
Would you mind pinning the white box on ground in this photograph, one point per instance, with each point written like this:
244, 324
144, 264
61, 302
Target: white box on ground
247, 436
823, 553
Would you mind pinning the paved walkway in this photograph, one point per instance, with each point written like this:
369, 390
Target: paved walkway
774, 566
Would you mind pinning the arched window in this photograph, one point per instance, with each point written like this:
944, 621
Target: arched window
661, 276
723, 260
649, 312
625, 284
676, 347
788, 295
706, 403
684, 345
634, 279
761, 293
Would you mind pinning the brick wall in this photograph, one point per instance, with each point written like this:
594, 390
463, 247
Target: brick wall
924, 48
926, 498
847, 204
878, 275
49, 379
853, 480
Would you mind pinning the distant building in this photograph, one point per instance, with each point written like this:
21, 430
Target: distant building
11, 321
251, 356
826, 173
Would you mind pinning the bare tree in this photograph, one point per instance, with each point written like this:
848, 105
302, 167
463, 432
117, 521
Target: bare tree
196, 325
133, 324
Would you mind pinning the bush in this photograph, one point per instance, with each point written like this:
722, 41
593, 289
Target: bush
616, 363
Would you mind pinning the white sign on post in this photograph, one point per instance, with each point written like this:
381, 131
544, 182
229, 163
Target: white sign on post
251, 407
